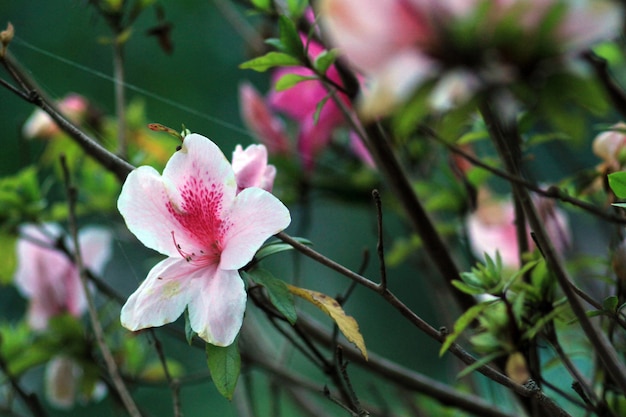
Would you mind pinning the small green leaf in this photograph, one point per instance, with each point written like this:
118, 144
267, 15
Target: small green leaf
189, 333
270, 60
324, 60
483, 361
276, 247
610, 303
617, 182
319, 107
277, 291
461, 324
296, 8
289, 80
264, 5
224, 364
290, 38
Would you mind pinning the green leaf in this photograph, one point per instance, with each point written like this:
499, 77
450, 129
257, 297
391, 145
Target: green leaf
296, 8
189, 333
270, 60
324, 60
610, 303
276, 247
264, 5
482, 361
617, 182
461, 324
467, 289
224, 364
289, 80
319, 107
277, 291
290, 38
9, 258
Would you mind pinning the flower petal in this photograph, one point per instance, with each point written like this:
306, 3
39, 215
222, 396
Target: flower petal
163, 295
95, 246
144, 203
255, 216
216, 312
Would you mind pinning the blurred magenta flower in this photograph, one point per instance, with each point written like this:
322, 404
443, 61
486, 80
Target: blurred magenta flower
251, 168
463, 45
48, 278
194, 215
301, 101
258, 117
491, 228
40, 125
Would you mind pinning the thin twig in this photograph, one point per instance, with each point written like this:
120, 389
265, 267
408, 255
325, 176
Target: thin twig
379, 246
173, 383
120, 96
550, 192
114, 373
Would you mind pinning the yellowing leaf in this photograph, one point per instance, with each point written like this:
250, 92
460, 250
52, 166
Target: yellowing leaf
347, 324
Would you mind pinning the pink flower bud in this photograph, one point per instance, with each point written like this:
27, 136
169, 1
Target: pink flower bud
268, 128
251, 168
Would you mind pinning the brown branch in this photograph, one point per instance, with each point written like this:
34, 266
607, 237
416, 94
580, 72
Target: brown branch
31, 93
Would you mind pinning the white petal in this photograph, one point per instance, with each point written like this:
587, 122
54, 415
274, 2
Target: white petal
216, 313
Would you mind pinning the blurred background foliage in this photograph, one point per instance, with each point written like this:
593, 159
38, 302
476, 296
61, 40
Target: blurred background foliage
63, 45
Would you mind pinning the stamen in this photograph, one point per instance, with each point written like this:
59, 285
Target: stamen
203, 260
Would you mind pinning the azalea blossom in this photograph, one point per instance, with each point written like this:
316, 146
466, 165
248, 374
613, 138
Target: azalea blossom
41, 125
63, 379
48, 278
400, 45
251, 168
300, 103
610, 145
258, 117
194, 215
491, 228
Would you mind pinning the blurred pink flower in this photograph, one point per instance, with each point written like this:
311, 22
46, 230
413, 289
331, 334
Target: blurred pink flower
267, 127
251, 168
63, 383
194, 216
301, 101
401, 44
491, 228
40, 125
48, 278
610, 144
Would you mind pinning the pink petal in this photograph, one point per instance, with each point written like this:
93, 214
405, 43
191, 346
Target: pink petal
143, 202
251, 168
163, 295
257, 116
300, 101
216, 311
396, 82
95, 246
370, 32
255, 216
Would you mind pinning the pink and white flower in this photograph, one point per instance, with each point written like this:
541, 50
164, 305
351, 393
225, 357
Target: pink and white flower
41, 125
491, 228
251, 168
48, 278
194, 215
